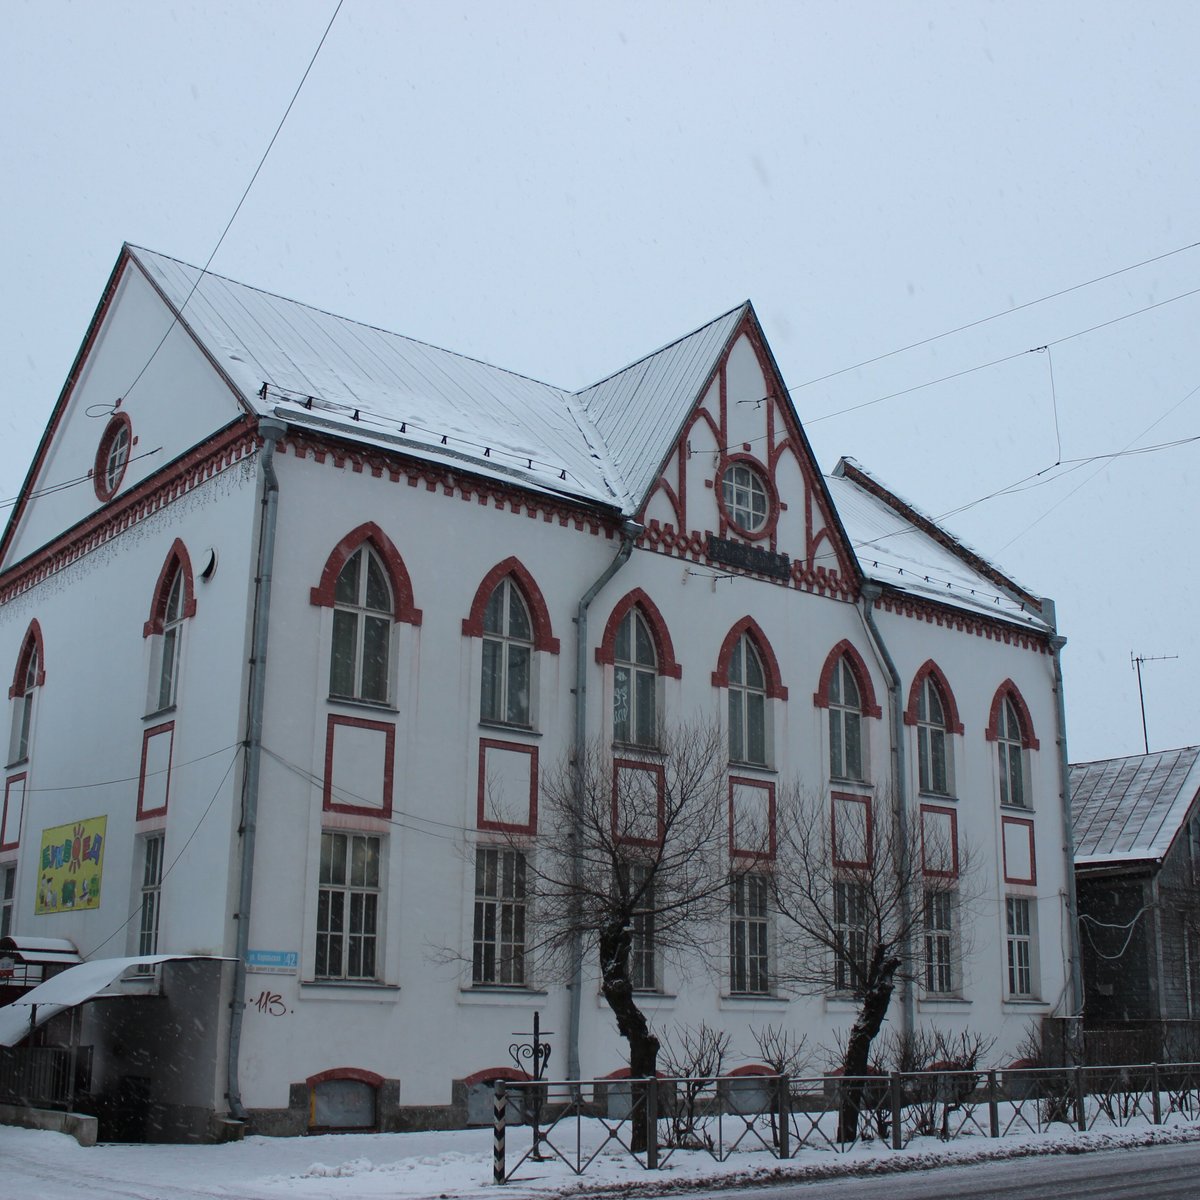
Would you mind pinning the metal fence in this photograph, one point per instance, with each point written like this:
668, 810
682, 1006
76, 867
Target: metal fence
40, 1076
652, 1120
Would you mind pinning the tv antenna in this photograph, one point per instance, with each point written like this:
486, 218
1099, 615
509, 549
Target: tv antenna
1136, 660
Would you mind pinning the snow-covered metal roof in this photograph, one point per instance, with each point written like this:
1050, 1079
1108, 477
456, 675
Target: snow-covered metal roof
893, 549
1131, 809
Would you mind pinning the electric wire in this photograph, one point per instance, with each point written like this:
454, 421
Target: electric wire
175, 766
51, 488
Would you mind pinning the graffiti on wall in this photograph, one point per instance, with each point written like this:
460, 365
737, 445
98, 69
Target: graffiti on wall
70, 866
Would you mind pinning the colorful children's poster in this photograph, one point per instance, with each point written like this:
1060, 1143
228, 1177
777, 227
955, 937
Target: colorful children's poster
71, 863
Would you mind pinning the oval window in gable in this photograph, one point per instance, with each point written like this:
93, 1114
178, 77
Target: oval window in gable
745, 497
112, 456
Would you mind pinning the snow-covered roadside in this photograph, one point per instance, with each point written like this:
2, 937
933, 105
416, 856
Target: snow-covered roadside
454, 1164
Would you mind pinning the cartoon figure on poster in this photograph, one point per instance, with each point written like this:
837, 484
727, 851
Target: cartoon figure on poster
70, 866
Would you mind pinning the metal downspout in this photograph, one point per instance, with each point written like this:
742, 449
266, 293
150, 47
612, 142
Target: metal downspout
1074, 970
271, 431
870, 592
629, 533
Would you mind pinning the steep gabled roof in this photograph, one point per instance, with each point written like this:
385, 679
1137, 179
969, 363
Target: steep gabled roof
1127, 810
899, 546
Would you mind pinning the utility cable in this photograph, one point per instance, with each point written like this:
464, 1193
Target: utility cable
79, 787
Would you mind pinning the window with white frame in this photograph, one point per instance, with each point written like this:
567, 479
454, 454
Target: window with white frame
507, 658
638, 882
362, 629
151, 905
498, 955
348, 906
22, 714
933, 746
8, 888
845, 723
164, 675
749, 957
1019, 945
850, 935
745, 497
747, 704
939, 942
635, 682
1011, 750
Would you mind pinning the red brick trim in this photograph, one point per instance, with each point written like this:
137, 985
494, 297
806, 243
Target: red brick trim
167, 727
8, 784
118, 422
488, 1074
1010, 690
851, 798
754, 855
766, 478
530, 827
32, 644
930, 669
539, 614
953, 815
932, 612
625, 1073
749, 626
358, 1074
1031, 880
177, 559
751, 1069
659, 773
866, 690
393, 564
389, 756
605, 652
225, 449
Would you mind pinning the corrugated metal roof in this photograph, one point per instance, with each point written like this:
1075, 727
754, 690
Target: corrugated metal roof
893, 551
1130, 809
639, 410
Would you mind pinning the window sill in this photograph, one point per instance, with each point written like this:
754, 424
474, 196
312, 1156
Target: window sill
498, 994
371, 705
17, 762
508, 727
655, 752
1017, 808
1025, 1002
159, 712
938, 797
843, 782
762, 768
350, 989
934, 1001
744, 1000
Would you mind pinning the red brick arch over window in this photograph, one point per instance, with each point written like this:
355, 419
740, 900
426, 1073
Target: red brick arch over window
749, 626
393, 564
539, 614
178, 559
866, 690
358, 1074
1012, 692
930, 670
32, 644
605, 652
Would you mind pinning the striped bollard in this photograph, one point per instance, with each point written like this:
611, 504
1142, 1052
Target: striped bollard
499, 1113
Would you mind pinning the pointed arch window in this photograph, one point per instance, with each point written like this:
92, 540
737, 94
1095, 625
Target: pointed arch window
29, 676
933, 757
506, 695
362, 629
747, 704
167, 674
635, 682
173, 603
1011, 752
845, 723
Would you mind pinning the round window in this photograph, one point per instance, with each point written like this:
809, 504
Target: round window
113, 456
747, 503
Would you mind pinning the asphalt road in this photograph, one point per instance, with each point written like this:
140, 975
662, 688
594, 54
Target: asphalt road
1149, 1172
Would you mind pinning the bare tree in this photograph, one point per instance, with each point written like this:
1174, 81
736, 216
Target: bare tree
865, 903
694, 1058
633, 860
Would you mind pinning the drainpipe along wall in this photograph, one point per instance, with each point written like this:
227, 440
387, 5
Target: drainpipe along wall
629, 533
270, 431
869, 593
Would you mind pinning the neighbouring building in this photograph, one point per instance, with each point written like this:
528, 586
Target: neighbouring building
1137, 867
291, 608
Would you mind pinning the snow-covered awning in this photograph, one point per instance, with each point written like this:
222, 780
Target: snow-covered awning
73, 986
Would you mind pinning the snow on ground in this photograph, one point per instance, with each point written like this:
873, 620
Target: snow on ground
35, 1165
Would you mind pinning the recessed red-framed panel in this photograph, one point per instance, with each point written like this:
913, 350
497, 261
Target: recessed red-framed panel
492, 776
339, 794
939, 852
652, 787
754, 851
154, 775
1020, 850
14, 809
852, 830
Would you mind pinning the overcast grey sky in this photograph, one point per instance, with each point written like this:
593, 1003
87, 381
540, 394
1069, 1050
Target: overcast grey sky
559, 188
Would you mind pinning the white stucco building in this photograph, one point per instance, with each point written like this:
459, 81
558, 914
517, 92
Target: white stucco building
291, 609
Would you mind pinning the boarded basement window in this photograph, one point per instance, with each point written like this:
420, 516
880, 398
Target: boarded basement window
343, 1104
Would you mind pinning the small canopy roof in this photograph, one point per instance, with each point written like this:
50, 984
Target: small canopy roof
73, 986
40, 951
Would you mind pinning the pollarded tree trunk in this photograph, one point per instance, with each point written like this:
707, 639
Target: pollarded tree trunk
617, 987
877, 995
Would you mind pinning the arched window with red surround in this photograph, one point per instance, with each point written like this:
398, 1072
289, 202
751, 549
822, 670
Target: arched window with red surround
846, 690
174, 602
366, 584
29, 675
638, 647
1011, 728
931, 708
748, 669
